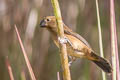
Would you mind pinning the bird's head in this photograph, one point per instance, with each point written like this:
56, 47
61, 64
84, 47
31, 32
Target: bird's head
49, 22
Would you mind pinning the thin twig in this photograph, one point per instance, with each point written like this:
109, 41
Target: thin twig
100, 36
63, 53
25, 55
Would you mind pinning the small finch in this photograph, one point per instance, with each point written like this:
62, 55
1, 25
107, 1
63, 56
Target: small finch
77, 46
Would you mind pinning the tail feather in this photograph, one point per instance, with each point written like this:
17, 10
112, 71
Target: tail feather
102, 63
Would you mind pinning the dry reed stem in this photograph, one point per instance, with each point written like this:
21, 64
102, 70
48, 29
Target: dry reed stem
9, 69
25, 55
58, 76
63, 52
114, 48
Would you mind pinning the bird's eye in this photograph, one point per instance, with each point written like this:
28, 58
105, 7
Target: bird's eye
48, 19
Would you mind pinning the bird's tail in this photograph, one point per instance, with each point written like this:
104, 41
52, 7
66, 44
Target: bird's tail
101, 62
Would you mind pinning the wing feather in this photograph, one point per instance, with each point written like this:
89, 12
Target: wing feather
70, 32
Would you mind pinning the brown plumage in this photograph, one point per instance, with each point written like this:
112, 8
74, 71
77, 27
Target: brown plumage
77, 47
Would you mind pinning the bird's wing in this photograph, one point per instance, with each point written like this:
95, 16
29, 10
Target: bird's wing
70, 32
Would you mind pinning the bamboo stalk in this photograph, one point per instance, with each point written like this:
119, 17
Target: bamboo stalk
25, 56
114, 48
63, 52
100, 36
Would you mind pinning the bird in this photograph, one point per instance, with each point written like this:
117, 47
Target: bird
76, 45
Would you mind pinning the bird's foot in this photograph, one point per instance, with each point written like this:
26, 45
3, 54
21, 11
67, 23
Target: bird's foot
62, 40
70, 63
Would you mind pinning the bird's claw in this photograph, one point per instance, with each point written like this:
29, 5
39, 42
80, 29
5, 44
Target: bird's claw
63, 40
70, 63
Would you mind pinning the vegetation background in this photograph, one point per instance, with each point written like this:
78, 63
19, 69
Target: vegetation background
79, 15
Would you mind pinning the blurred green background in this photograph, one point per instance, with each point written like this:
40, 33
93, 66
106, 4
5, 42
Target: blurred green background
79, 15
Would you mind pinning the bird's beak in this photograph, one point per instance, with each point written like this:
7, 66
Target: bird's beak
43, 23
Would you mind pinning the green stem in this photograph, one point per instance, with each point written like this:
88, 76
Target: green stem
100, 36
